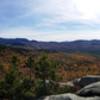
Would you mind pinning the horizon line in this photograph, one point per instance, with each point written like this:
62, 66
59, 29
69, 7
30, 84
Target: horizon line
51, 40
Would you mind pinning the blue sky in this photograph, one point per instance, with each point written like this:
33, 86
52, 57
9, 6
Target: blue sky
50, 20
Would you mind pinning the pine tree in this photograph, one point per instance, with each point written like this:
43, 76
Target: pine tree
45, 72
30, 64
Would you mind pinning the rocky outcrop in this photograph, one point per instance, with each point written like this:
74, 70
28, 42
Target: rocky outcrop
68, 97
86, 80
90, 90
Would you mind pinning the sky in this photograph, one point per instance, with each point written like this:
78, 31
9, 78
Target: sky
50, 20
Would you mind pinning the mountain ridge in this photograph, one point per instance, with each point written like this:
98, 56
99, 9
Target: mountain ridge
72, 46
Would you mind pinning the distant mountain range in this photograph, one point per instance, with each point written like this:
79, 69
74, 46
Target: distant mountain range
73, 46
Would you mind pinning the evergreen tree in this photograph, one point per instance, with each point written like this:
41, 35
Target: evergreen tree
45, 72
14, 87
14, 62
29, 64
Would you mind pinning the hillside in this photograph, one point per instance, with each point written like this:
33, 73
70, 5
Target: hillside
92, 46
32, 73
71, 65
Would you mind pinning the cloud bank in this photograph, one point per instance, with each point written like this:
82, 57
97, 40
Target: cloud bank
50, 19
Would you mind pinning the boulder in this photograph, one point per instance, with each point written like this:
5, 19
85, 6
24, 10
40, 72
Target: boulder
90, 90
68, 97
86, 80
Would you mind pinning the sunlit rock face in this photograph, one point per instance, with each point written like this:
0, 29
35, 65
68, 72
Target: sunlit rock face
89, 92
69, 97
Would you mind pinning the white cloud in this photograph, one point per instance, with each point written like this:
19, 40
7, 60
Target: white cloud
51, 13
55, 11
69, 10
58, 10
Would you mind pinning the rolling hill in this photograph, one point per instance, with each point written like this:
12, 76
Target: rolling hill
72, 65
92, 46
